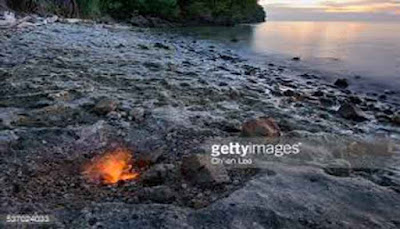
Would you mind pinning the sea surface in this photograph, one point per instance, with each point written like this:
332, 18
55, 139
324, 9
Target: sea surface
367, 53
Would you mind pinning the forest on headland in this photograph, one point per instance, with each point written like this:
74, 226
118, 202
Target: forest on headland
219, 12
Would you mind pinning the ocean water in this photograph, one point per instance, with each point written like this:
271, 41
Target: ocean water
367, 53
365, 49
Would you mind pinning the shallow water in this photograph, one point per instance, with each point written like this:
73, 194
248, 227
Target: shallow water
370, 50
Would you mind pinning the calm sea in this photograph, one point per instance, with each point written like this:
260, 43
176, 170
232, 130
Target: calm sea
370, 50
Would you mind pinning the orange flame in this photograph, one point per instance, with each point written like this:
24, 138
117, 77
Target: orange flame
112, 167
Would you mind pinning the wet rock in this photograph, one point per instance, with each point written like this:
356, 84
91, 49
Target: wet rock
342, 83
105, 106
382, 97
198, 169
352, 112
223, 84
389, 92
158, 173
143, 47
318, 93
339, 167
355, 99
161, 46
250, 70
261, 127
228, 57
152, 66
289, 93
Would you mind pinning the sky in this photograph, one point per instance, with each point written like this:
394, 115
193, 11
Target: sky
332, 9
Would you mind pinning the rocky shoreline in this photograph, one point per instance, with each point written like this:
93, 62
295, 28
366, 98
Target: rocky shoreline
71, 90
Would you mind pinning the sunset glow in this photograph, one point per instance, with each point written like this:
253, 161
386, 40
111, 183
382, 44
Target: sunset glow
383, 8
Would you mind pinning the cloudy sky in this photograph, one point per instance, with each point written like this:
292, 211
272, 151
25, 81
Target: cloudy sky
332, 9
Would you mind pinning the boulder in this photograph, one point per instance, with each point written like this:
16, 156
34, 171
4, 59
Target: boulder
105, 106
261, 127
342, 83
352, 112
339, 167
198, 169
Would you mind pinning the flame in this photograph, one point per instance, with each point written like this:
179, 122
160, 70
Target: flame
112, 167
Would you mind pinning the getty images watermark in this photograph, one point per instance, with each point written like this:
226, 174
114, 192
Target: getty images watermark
236, 153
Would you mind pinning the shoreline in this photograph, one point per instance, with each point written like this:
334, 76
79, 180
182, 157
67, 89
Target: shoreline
69, 91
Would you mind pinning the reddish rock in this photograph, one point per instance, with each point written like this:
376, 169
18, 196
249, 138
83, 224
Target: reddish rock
261, 127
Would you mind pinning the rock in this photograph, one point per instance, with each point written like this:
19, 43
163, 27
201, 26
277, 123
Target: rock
159, 194
382, 97
289, 93
327, 101
198, 169
114, 115
51, 20
318, 93
105, 106
199, 203
233, 93
152, 66
137, 114
389, 92
157, 174
161, 46
396, 119
352, 112
148, 153
263, 126
140, 21
342, 83
355, 99
223, 84
296, 58
60, 96
228, 58
339, 167
7, 138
